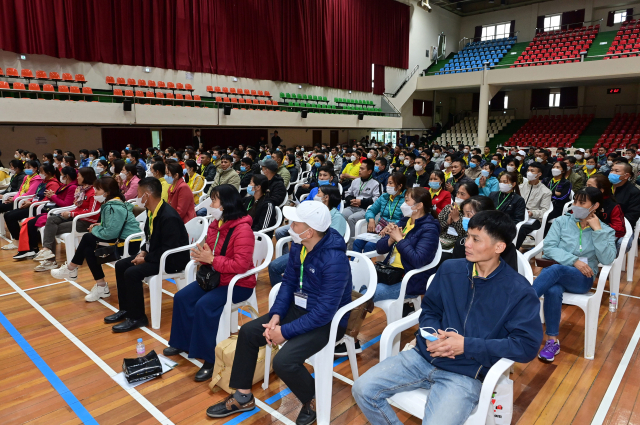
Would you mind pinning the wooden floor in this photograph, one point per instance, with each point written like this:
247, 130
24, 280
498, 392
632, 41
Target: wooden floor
68, 335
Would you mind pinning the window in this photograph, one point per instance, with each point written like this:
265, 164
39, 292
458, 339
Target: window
552, 22
506, 101
619, 16
554, 98
496, 31
155, 138
373, 73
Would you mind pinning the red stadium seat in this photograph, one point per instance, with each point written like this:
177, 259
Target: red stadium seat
132, 82
66, 76
151, 83
150, 94
170, 96
188, 87
179, 86
161, 85
120, 81
65, 89
87, 90
34, 87
142, 83
41, 75
209, 89
80, 78
12, 72
128, 93
47, 87
18, 86
170, 85
159, 95
109, 80
26, 73
179, 96
117, 92
139, 93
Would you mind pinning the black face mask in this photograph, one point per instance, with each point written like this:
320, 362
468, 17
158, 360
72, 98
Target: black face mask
457, 176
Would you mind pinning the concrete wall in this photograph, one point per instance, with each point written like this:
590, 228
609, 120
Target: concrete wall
43, 139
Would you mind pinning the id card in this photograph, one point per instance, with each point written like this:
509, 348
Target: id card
416, 185
300, 299
584, 260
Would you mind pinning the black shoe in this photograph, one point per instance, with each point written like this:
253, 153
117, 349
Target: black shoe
116, 317
307, 414
341, 349
229, 406
204, 374
170, 351
130, 324
407, 309
21, 255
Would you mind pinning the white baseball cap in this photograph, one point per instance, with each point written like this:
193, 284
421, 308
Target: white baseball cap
580, 150
521, 152
315, 214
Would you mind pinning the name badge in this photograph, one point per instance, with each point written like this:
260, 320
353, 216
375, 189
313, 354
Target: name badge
416, 185
300, 299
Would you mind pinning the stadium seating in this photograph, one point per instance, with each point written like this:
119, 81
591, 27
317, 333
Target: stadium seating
627, 41
476, 54
556, 47
466, 131
623, 130
546, 131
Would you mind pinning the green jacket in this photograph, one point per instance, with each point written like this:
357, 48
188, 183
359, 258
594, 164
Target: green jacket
577, 181
113, 215
284, 173
228, 176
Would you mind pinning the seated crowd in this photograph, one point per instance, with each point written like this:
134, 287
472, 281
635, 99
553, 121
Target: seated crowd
457, 215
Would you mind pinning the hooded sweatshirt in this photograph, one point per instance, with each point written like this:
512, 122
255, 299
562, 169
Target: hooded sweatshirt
117, 221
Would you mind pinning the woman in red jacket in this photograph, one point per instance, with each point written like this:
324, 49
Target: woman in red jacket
196, 313
180, 195
439, 198
58, 224
611, 210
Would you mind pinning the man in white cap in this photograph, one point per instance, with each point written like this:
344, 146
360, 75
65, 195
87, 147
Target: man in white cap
316, 283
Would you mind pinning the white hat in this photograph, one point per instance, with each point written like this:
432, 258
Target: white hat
521, 152
315, 214
580, 150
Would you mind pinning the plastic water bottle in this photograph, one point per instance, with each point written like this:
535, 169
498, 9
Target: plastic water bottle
140, 350
613, 303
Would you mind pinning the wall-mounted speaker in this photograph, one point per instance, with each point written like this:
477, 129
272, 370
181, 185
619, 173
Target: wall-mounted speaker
360, 116
303, 114
126, 105
227, 109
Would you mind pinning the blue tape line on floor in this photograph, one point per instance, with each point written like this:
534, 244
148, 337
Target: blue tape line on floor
66, 394
245, 313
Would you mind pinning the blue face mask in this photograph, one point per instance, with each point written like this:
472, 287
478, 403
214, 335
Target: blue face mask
243, 168
214, 157
484, 173
434, 185
250, 191
267, 157
168, 179
614, 178
376, 169
28, 171
494, 162
323, 182
590, 167
465, 223
184, 171
473, 165
128, 160
317, 164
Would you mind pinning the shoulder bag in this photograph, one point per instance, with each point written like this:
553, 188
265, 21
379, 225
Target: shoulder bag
388, 275
108, 254
207, 277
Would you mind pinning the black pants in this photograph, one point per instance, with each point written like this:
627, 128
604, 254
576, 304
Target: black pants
6, 207
129, 281
288, 364
12, 218
525, 230
301, 192
86, 251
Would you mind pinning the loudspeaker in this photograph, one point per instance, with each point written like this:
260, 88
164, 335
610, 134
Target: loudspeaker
360, 116
227, 109
303, 114
126, 105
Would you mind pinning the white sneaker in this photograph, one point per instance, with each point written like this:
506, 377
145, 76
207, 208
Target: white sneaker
44, 254
10, 246
46, 265
64, 273
97, 292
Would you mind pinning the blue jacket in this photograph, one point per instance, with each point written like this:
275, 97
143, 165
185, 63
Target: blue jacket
326, 281
385, 207
491, 185
417, 249
382, 176
314, 192
499, 316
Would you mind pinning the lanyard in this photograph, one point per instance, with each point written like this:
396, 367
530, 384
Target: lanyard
250, 203
361, 186
581, 229
303, 253
553, 186
394, 208
500, 204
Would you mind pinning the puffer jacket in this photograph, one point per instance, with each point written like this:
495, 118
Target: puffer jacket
326, 281
490, 185
228, 176
537, 199
562, 243
417, 249
238, 258
117, 221
388, 209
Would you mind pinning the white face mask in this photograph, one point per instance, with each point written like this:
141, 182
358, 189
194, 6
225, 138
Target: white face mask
579, 157
447, 164
531, 176
391, 190
505, 187
610, 163
519, 158
296, 236
99, 198
407, 210
401, 158
43, 176
99, 170
317, 198
216, 213
112, 169
123, 176
458, 201
63, 179
587, 155
417, 167
511, 168
369, 155
436, 155
140, 203
406, 162
16, 156
538, 159
466, 151
555, 172
353, 158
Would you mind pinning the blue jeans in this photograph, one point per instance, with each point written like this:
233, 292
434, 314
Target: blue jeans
551, 283
202, 212
451, 399
282, 232
385, 292
277, 268
360, 245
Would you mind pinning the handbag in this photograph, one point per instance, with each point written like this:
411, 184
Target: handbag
382, 223
108, 254
142, 368
207, 277
387, 274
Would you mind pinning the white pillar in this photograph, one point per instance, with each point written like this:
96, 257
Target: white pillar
483, 115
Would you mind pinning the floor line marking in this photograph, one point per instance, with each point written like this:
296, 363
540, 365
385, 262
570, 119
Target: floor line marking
31, 289
605, 404
160, 417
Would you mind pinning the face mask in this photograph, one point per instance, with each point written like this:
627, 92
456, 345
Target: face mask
302, 149
214, 157
465, 223
55, 155
16, 156
494, 162
610, 163
579, 157
434, 185
168, 179
297, 150
369, 155
417, 167
261, 149
458, 201
484, 173
406, 162
128, 161
590, 167
531, 176
344, 151
555, 172
505, 187
140, 203
149, 173
376, 169
286, 163
614, 178
627, 156
123, 176
538, 159
316, 164
407, 210
472, 165
511, 168
412, 146
587, 155
580, 213
43, 176
228, 151
216, 213
99, 170
447, 164
296, 236
63, 179
99, 198
250, 190
436, 155
317, 198
267, 157
243, 168
391, 190
28, 171
401, 158
186, 157
519, 158
112, 169
323, 182
466, 151
353, 158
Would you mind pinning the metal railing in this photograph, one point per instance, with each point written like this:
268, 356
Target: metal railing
567, 26
630, 108
565, 110
468, 40
413, 71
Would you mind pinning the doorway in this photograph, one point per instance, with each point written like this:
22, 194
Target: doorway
317, 137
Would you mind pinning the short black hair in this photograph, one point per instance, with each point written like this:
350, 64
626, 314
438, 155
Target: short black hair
247, 160
16, 163
497, 224
333, 192
479, 203
536, 165
152, 185
230, 200
462, 163
88, 175
174, 168
71, 172
369, 163
383, 161
159, 167
226, 158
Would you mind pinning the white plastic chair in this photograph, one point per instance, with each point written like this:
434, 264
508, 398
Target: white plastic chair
616, 268
197, 230
72, 239
524, 267
362, 273
413, 402
5, 197
519, 225
262, 253
538, 235
275, 226
633, 252
589, 303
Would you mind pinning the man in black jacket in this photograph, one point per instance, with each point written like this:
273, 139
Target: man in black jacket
207, 169
17, 176
626, 193
276, 191
164, 230
197, 140
275, 140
